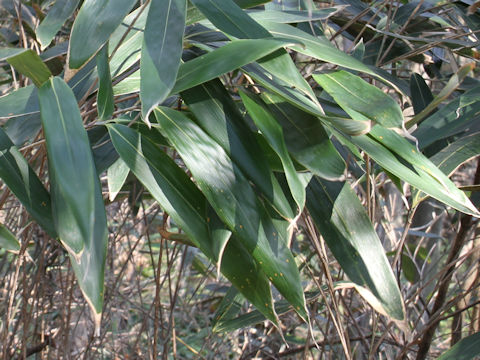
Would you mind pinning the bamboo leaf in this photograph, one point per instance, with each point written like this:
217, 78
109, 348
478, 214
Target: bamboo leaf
457, 153
28, 63
220, 118
273, 133
452, 84
293, 16
78, 208
161, 51
234, 201
95, 22
8, 241
187, 206
233, 55
231, 19
356, 96
60, 11
355, 244
306, 139
421, 94
25, 184
105, 103
466, 349
320, 48
116, 175
455, 117
211, 65
20, 102
386, 147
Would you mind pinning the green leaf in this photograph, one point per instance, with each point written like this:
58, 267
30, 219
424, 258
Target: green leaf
348, 232
236, 204
293, 16
95, 22
233, 55
455, 117
19, 102
8, 241
116, 175
457, 153
60, 11
318, 47
8, 52
220, 118
78, 208
452, 84
356, 96
387, 148
231, 19
273, 133
127, 39
161, 52
420, 93
105, 103
466, 349
229, 307
296, 98
25, 184
28, 63
187, 206
306, 139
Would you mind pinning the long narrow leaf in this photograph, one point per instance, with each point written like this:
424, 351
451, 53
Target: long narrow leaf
161, 51
8, 241
56, 17
105, 104
386, 147
421, 94
78, 208
231, 19
457, 153
95, 22
31, 65
355, 244
320, 48
25, 184
220, 118
466, 349
20, 102
234, 201
232, 56
355, 96
182, 200
306, 139
273, 132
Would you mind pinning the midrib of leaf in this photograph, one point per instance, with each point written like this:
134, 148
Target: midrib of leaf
62, 119
165, 28
166, 179
346, 89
